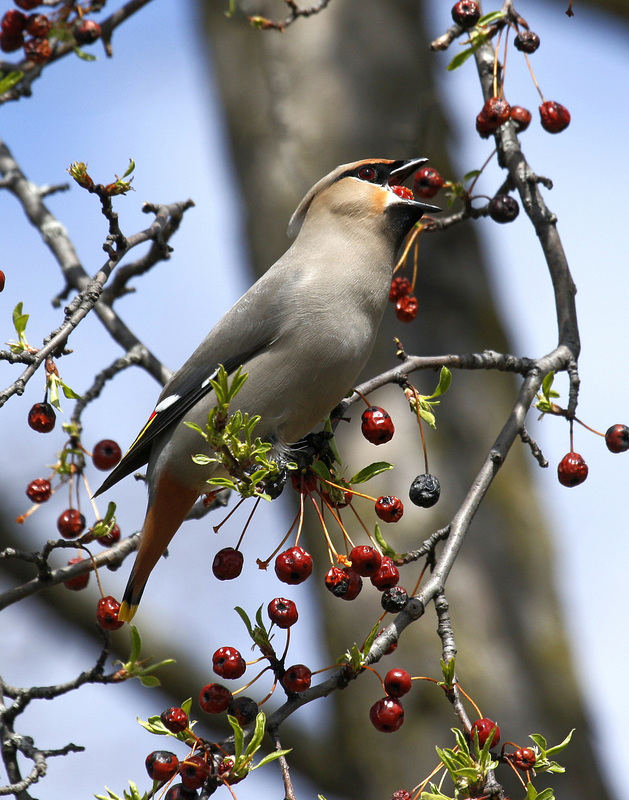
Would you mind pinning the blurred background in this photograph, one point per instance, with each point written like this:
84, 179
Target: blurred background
244, 122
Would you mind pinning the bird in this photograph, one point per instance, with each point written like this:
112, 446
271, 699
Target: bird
302, 333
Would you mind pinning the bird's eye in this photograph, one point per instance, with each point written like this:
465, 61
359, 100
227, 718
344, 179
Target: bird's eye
367, 174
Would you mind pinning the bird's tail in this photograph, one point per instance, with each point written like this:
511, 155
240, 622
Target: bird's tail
168, 508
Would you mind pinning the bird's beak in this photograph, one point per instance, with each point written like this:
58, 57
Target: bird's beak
401, 170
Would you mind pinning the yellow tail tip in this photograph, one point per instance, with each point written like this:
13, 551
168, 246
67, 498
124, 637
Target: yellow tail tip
126, 612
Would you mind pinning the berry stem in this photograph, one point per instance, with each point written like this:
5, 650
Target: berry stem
466, 695
249, 518
495, 70
351, 491
419, 422
333, 555
264, 564
409, 242
217, 528
365, 528
528, 64
338, 520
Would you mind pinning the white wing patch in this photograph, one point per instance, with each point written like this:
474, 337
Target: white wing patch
166, 403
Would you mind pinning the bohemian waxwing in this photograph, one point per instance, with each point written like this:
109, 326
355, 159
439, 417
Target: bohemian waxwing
303, 333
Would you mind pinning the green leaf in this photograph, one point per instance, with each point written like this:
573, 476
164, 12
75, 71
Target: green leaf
445, 379
130, 168
136, 643
10, 80
490, 18
371, 638
461, 58
83, 55
561, 746
187, 705
239, 736
546, 794
369, 472
19, 320
68, 392
470, 175
245, 618
447, 670
270, 757
382, 544
540, 741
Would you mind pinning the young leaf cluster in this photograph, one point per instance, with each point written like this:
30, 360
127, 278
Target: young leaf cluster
242, 760
422, 404
134, 668
468, 773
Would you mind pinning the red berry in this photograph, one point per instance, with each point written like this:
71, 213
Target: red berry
354, 586
179, 792
397, 682
524, 758
214, 698
86, 31
484, 127
27, 5
466, 13
406, 308
389, 508
39, 490
554, 117
2, 280
297, 678
376, 425
38, 25
282, 612
425, 490
228, 663
526, 42
366, 560
337, 581
42, 417
109, 539
494, 113
387, 576
394, 600
400, 287
13, 22
10, 42
427, 182
617, 438
244, 709
521, 117
106, 454
79, 582
71, 523
304, 482
387, 715
161, 765
503, 208
107, 614
401, 794
37, 50
194, 771
402, 191
572, 470
175, 719
294, 565
227, 564
484, 727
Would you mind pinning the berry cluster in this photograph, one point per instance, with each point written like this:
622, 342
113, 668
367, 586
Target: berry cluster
406, 304
387, 714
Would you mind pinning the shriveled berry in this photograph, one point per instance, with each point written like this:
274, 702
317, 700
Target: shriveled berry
37, 50
389, 508
86, 31
376, 425
524, 758
526, 42
27, 5
245, 709
397, 682
179, 792
10, 42
193, 771
161, 765
354, 586
174, 719
617, 438
521, 117
495, 112
227, 564
336, 581
13, 21
107, 614
387, 576
71, 523
228, 663
39, 490
293, 566
572, 470
282, 612
503, 208
110, 539
401, 794
42, 417
485, 728
106, 454
400, 287
554, 117
402, 191
394, 599
406, 308
366, 560
387, 715
427, 182
483, 127
38, 25
297, 678
215, 698
2, 280
79, 582
466, 13
425, 490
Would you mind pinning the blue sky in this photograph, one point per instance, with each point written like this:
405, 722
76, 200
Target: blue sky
165, 117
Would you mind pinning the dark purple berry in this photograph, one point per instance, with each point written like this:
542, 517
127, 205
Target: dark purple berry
425, 490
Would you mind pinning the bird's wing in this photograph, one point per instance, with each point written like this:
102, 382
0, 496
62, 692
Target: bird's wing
233, 342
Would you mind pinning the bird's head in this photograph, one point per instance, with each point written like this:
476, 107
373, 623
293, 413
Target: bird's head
365, 191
